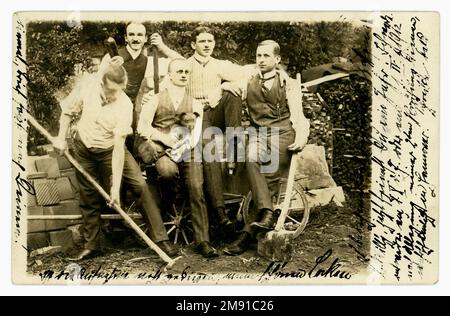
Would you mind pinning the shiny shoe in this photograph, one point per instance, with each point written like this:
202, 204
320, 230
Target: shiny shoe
206, 250
85, 254
168, 247
267, 221
239, 245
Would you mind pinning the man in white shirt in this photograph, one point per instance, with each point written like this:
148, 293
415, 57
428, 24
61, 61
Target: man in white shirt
99, 147
215, 83
172, 146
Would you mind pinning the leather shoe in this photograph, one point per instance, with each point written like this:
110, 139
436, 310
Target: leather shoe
85, 254
206, 250
223, 218
168, 247
239, 245
267, 221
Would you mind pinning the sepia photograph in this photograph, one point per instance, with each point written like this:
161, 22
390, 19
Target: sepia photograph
246, 148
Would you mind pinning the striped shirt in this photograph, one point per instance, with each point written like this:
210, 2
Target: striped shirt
207, 77
98, 124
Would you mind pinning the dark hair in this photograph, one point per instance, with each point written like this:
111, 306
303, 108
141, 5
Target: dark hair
199, 30
275, 45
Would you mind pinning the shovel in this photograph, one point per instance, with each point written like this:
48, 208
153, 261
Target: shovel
170, 262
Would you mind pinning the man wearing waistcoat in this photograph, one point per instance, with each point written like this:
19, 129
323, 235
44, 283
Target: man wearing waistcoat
171, 144
139, 67
274, 103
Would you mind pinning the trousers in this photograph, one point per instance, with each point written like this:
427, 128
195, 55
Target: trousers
97, 162
227, 113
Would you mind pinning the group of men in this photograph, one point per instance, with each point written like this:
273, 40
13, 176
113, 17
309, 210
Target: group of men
199, 96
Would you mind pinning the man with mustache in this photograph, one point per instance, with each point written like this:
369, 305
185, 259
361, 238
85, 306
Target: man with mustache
273, 102
172, 136
139, 67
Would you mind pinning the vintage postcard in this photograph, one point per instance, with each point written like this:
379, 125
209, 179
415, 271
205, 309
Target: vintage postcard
217, 148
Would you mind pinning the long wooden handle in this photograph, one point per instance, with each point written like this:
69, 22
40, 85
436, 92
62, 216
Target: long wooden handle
290, 182
288, 194
105, 195
155, 69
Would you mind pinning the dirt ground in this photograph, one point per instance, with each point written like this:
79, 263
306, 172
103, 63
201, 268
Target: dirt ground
329, 227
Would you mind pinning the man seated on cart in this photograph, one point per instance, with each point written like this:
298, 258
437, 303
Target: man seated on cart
274, 103
171, 124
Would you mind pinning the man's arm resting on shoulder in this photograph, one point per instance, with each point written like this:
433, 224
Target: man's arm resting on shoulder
155, 39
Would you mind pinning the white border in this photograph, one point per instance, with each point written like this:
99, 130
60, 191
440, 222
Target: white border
8, 8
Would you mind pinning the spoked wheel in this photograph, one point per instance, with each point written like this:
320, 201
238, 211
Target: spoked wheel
299, 211
178, 225
298, 214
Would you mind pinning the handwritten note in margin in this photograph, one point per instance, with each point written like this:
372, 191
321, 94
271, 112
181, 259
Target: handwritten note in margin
405, 151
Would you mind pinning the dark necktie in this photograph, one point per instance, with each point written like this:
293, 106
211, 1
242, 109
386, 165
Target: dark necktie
264, 89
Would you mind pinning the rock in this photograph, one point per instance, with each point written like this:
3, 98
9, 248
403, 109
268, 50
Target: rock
276, 246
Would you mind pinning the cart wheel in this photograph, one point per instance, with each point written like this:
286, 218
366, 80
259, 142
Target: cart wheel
299, 211
178, 223
297, 217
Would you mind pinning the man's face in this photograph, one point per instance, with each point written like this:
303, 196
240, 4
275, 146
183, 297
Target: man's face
136, 36
204, 44
179, 73
266, 58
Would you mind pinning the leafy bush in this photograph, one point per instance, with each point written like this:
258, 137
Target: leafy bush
52, 55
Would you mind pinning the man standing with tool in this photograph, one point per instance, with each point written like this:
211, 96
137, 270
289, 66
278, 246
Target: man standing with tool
171, 123
140, 68
274, 103
99, 146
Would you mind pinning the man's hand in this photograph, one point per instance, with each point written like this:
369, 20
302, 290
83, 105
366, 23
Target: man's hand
298, 144
146, 98
169, 140
115, 196
232, 87
156, 39
116, 61
60, 145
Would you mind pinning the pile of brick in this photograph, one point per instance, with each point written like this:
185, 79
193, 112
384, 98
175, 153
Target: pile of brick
57, 193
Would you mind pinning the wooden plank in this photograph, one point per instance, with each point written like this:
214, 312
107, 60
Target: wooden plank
324, 79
